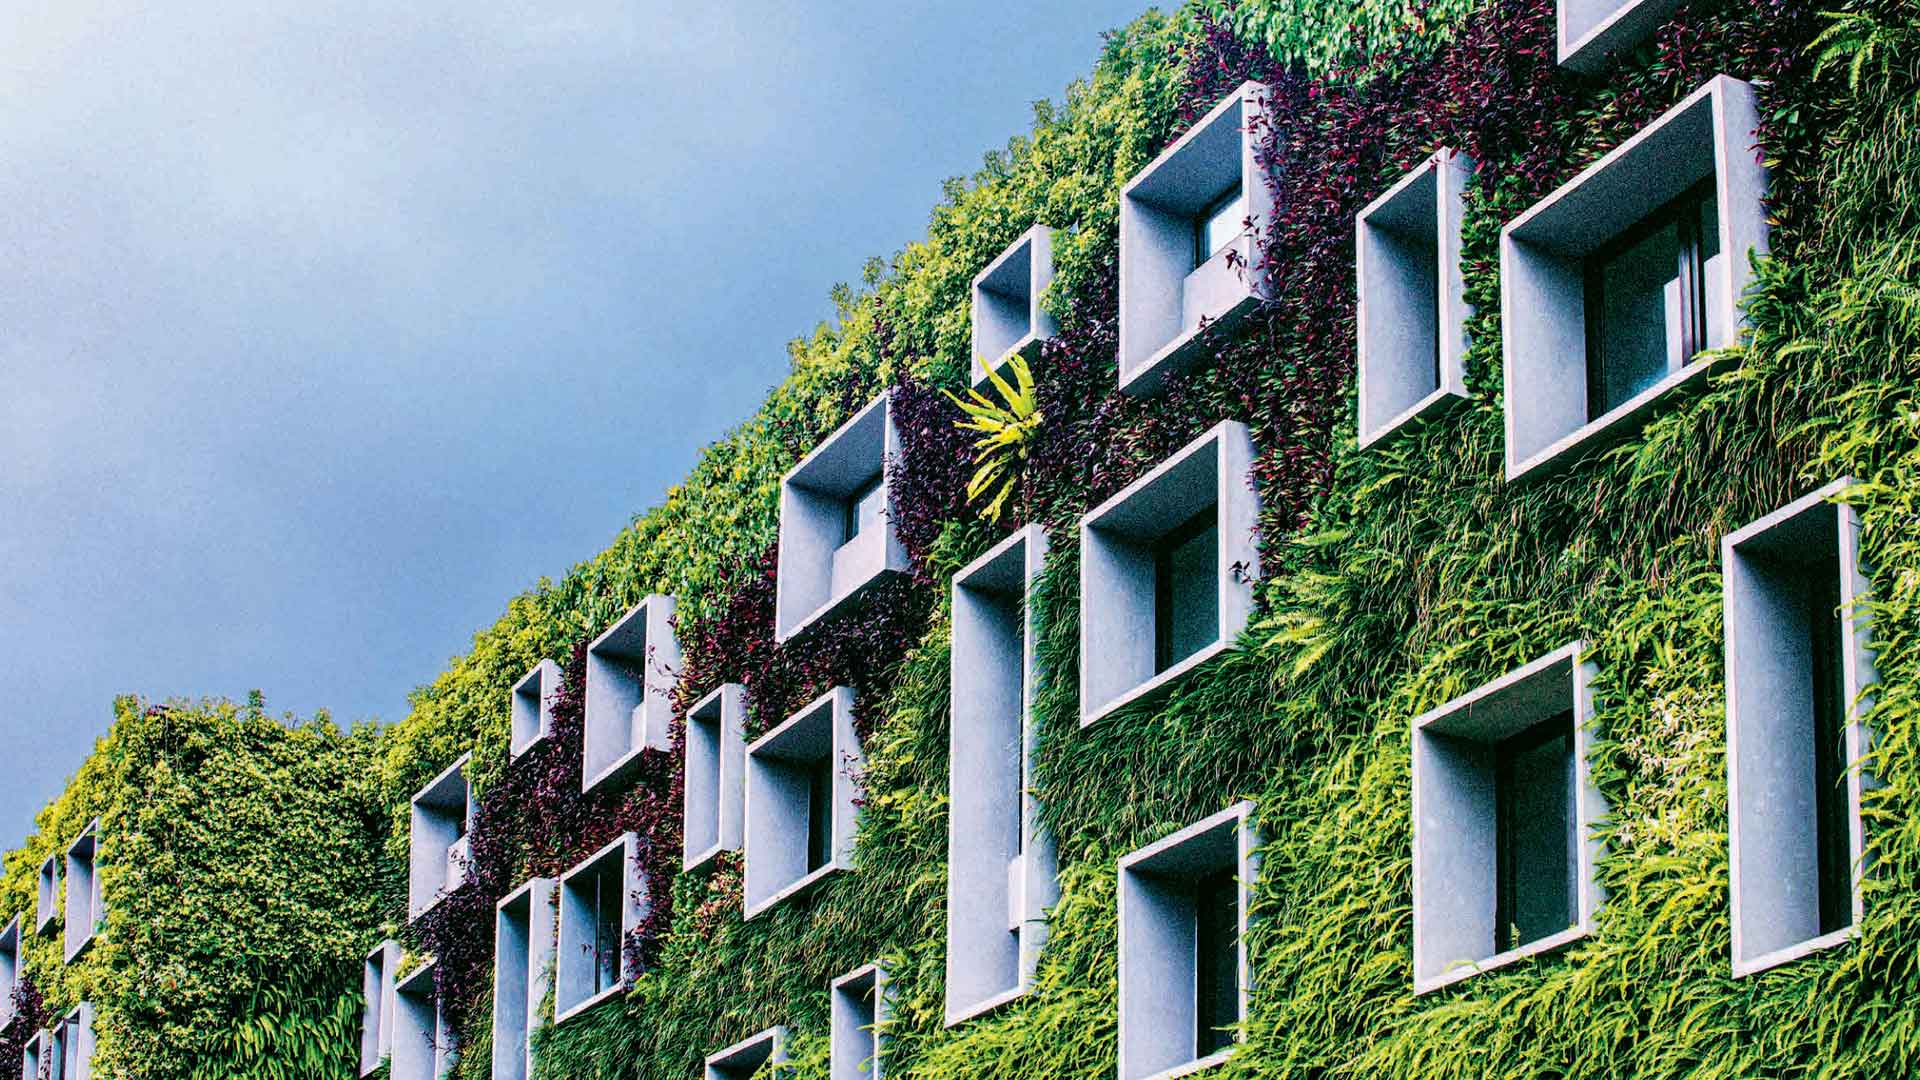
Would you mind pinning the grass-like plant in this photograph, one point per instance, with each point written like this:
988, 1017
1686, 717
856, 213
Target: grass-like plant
1006, 431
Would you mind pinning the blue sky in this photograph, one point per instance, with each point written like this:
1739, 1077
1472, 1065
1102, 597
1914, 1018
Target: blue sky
329, 326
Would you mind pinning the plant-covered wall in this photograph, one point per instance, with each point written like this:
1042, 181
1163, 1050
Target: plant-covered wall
1394, 579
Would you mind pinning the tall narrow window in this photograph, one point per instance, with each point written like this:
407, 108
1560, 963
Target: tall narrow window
1186, 597
1647, 299
1826, 634
819, 813
1216, 905
1536, 836
1219, 223
607, 911
863, 508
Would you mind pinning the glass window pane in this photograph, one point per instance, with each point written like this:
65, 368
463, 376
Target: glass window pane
864, 507
1712, 266
1186, 594
1636, 329
1536, 832
1220, 224
1217, 959
819, 813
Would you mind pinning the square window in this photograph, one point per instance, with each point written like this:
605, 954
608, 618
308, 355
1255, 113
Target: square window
1007, 316
1000, 860
47, 894
1412, 312
423, 1041
1504, 810
631, 669
802, 801
836, 528
1593, 31
716, 752
858, 1025
9, 969
1612, 285
1798, 665
744, 1059
437, 854
1166, 571
523, 927
377, 1005
1189, 224
84, 911
602, 902
532, 709
1184, 973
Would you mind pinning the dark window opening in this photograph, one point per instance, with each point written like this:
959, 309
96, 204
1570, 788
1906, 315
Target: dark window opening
819, 813
1219, 224
1646, 299
1827, 630
861, 510
1535, 834
1186, 594
606, 928
1216, 905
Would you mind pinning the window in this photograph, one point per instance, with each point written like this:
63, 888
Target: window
1614, 283
1594, 31
522, 975
423, 1040
1504, 812
531, 708
715, 760
437, 849
819, 813
1220, 223
1184, 972
743, 1060
1167, 570
863, 509
631, 670
802, 801
69, 1053
602, 901
836, 537
35, 1055
9, 969
1007, 316
84, 913
857, 1025
47, 910
377, 1006
1797, 667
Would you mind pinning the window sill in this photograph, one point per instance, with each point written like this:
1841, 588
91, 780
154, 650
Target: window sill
1780, 957
1620, 422
1467, 970
572, 1011
799, 888
1155, 685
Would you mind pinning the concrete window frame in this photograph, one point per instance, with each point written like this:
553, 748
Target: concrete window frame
1167, 304
69, 1047
1158, 963
9, 969
523, 929
1117, 623
859, 1013
377, 980
532, 708
631, 670
441, 814
1543, 252
743, 1059
85, 907
423, 1040
715, 768
776, 818
1412, 307
1454, 848
34, 1053
819, 569
1007, 318
576, 959
1001, 866
47, 896
1591, 32
1770, 728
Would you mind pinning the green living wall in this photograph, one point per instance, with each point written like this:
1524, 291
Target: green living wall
1394, 579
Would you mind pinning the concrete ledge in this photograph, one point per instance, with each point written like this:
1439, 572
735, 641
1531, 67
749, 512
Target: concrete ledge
85, 912
523, 926
780, 767
586, 973
631, 669
743, 1059
860, 1013
376, 1004
423, 1041
819, 568
1164, 296
1543, 253
716, 752
1591, 32
532, 708
1159, 938
1772, 786
1455, 880
1001, 863
1117, 566
1006, 313
441, 813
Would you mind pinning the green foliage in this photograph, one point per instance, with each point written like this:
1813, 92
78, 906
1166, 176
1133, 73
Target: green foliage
1006, 431
1322, 36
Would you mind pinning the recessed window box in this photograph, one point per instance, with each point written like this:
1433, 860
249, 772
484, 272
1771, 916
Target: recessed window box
377, 973
1007, 317
1166, 571
1189, 241
533, 708
1504, 811
69, 1050
1412, 298
423, 1040
1612, 285
630, 675
34, 1054
1000, 861
9, 969
523, 926
1798, 665
1184, 974
437, 853
836, 521
84, 913
602, 902
802, 801
858, 1025
47, 896
744, 1059
1592, 31
715, 775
